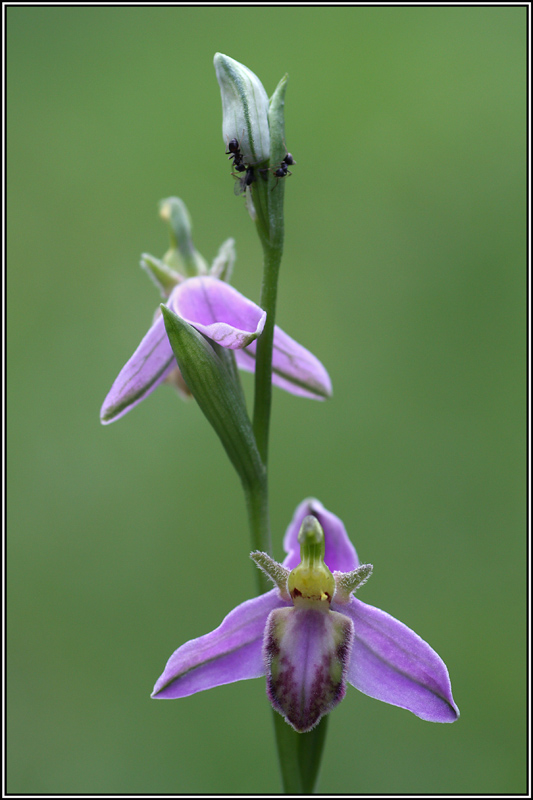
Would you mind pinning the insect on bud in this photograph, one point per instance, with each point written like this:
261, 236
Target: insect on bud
244, 111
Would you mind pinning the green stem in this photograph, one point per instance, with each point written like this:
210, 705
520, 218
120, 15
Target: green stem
258, 519
299, 753
263, 365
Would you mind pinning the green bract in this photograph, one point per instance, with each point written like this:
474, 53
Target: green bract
211, 377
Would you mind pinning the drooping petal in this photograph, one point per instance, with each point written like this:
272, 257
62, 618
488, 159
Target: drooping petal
340, 553
294, 368
218, 311
150, 364
232, 652
307, 652
392, 663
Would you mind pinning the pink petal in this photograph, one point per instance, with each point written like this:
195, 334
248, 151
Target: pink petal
218, 311
294, 368
232, 652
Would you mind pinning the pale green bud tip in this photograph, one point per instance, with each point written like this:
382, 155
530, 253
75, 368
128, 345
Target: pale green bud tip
244, 109
182, 255
173, 211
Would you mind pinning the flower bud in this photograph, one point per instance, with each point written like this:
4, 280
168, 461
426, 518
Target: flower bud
183, 255
244, 109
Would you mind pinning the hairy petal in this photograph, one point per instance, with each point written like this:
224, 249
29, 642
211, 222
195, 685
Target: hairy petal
392, 663
232, 652
294, 368
218, 311
150, 364
307, 652
340, 552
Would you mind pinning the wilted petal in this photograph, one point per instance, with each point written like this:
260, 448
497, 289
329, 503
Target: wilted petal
232, 652
218, 311
340, 553
307, 652
294, 368
147, 368
392, 663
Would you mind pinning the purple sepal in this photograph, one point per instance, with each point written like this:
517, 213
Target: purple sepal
232, 652
294, 368
392, 663
340, 553
150, 364
307, 652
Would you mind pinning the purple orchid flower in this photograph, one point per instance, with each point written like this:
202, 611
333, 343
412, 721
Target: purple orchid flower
310, 636
220, 312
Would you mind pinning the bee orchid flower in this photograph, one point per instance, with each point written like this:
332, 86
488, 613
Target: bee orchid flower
310, 636
225, 316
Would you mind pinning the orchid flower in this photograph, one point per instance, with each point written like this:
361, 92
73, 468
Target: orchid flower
223, 314
311, 636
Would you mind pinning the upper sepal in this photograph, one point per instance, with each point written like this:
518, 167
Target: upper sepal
340, 555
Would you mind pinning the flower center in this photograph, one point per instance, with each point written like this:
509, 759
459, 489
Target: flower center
311, 583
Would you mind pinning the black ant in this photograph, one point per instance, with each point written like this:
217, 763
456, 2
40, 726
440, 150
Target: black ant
283, 170
235, 154
244, 182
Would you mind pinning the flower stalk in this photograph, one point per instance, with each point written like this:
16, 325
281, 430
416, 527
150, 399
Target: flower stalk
299, 756
268, 201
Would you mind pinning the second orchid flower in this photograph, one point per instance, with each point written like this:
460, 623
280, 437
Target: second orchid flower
225, 316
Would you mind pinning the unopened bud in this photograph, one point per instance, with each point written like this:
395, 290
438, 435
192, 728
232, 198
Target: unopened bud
183, 255
244, 109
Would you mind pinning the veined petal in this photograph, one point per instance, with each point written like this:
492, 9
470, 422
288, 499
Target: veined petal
392, 663
294, 368
232, 652
340, 553
218, 311
150, 364
307, 652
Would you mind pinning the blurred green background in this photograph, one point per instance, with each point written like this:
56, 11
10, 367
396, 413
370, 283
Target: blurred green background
404, 272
